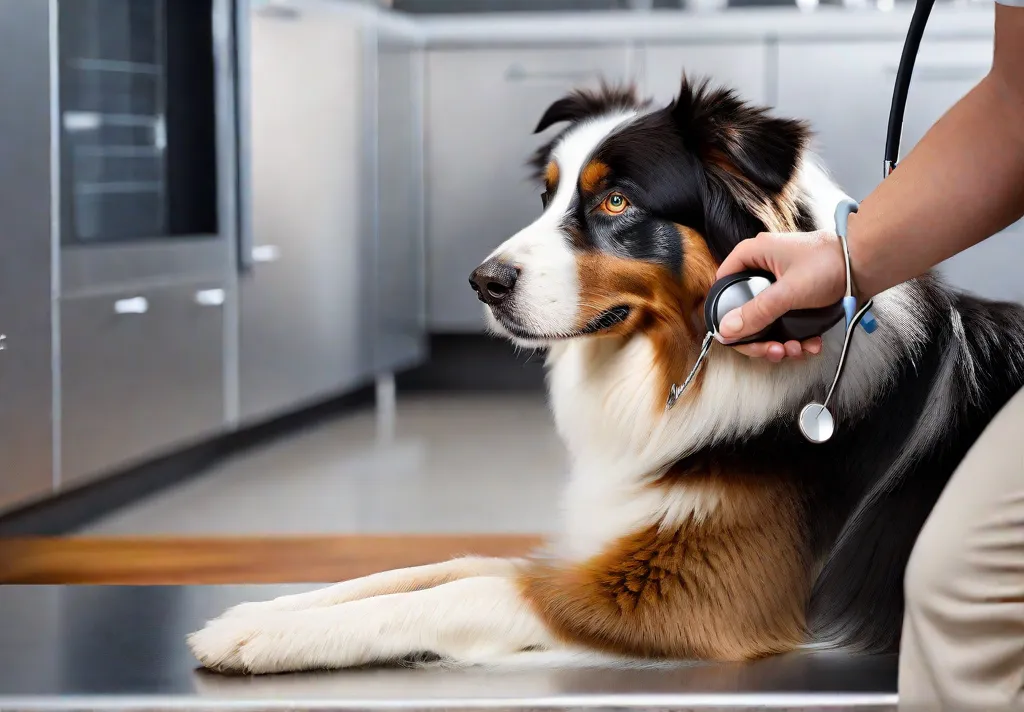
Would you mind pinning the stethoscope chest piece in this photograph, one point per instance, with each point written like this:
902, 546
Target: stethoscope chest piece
816, 423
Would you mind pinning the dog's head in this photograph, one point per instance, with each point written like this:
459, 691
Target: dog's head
640, 205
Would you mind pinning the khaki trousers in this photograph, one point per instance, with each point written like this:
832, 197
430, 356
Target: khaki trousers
963, 630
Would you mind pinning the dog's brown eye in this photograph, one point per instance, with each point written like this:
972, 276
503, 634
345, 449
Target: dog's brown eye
614, 204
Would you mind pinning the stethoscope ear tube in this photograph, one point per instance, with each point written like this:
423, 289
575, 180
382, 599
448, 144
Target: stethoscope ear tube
915, 32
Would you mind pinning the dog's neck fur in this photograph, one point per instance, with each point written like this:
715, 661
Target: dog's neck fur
610, 411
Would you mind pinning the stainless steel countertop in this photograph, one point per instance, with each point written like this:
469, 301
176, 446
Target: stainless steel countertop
118, 647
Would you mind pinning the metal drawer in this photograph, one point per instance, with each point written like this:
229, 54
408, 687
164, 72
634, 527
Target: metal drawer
141, 372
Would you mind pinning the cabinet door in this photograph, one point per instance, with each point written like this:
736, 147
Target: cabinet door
142, 372
742, 67
944, 72
483, 105
400, 284
845, 90
304, 322
26, 446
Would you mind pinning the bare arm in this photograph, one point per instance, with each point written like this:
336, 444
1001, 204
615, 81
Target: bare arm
963, 182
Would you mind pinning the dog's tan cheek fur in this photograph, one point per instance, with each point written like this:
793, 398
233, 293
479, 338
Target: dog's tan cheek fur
551, 176
730, 586
666, 308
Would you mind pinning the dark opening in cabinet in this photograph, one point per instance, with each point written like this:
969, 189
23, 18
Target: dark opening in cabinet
138, 120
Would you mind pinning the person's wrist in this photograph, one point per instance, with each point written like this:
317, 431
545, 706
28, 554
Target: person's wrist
860, 277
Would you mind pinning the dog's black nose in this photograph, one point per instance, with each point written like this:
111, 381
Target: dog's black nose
493, 281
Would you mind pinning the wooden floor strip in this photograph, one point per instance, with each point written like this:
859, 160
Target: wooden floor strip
234, 560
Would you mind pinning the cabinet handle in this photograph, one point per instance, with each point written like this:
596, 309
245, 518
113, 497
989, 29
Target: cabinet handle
3, 342
276, 9
519, 73
210, 297
944, 72
266, 253
134, 305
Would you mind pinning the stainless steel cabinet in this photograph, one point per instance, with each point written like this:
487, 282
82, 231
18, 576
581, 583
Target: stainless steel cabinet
991, 268
304, 324
26, 468
141, 371
482, 107
399, 284
740, 66
944, 72
845, 88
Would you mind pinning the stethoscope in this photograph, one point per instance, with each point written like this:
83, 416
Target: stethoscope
815, 421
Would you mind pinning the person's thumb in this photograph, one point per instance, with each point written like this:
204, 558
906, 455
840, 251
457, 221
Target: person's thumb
749, 253
756, 314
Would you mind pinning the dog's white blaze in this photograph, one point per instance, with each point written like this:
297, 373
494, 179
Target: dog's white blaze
546, 300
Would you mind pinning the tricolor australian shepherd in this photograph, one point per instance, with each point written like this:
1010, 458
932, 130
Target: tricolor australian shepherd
714, 530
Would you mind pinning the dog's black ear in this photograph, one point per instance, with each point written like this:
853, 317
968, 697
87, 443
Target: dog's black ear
583, 104
738, 141
568, 108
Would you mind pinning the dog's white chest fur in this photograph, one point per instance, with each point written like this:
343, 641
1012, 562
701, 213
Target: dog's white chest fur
612, 418
620, 438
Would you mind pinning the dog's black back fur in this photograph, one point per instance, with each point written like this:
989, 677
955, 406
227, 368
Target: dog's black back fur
972, 364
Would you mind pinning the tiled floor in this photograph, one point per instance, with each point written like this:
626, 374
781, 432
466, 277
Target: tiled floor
457, 464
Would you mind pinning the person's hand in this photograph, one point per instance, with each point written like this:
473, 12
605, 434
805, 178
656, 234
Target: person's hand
810, 272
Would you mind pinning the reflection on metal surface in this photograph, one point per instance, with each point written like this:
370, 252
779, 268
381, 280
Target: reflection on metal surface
113, 647
131, 305
518, 73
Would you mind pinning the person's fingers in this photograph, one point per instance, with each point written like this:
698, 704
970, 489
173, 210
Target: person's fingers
812, 345
791, 349
758, 313
776, 352
755, 350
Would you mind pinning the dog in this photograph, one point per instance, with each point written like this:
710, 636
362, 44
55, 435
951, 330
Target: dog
711, 531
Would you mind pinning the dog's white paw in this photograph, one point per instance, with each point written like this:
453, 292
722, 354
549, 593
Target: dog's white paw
218, 645
281, 604
255, 609
249, 645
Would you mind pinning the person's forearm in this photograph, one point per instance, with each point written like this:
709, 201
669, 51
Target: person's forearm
963, 182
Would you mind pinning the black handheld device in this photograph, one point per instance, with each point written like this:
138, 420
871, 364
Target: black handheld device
735, 290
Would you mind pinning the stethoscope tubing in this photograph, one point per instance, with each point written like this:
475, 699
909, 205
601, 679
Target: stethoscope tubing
918, 21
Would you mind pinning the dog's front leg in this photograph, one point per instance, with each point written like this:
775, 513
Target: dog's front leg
465, 621
415, 578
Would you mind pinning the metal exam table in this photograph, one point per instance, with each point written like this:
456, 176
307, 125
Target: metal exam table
123, 648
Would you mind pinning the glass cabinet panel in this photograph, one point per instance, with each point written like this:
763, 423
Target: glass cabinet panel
137, 106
